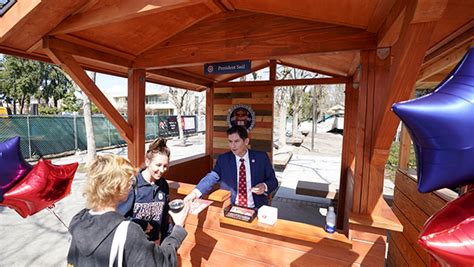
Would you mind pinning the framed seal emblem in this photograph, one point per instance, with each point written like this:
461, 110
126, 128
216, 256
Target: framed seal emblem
241, 115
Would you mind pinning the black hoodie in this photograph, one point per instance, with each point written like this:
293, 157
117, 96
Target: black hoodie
148, 204
92, 237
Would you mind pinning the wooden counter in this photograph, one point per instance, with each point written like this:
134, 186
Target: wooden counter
291, 230
215, 240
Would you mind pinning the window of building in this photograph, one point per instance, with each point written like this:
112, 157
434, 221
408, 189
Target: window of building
157, 99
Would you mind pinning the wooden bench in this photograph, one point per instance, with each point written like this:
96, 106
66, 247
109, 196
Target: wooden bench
280, 160
317, 190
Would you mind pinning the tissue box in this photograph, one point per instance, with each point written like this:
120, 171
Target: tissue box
267, 215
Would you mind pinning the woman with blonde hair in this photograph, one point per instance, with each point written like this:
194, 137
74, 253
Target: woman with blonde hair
147, 201
94, 229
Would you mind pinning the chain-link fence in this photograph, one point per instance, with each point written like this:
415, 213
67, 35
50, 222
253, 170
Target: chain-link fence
48, 135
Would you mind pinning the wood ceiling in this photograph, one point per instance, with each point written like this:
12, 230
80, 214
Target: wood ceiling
172, 39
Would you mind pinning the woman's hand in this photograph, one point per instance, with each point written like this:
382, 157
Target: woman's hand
180, 217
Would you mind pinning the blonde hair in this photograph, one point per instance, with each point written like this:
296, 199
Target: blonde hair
157, 147
109, 181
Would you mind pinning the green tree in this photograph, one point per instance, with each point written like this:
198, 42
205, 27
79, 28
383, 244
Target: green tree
70, 103
20, 79
47, 110
54, 84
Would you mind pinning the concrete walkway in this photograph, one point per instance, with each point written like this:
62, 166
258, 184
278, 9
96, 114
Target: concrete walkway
41, 239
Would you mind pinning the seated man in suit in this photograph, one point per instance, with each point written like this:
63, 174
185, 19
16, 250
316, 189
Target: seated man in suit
247, 174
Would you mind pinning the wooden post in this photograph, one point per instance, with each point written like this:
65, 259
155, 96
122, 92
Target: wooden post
136, 116
272, 73
405, 145
210, 123
404, 150
348, 151
408, 54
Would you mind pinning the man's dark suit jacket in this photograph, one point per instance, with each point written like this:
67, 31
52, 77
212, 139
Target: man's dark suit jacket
225, 173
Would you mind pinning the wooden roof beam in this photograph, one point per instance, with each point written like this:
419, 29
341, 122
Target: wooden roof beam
258, 47
19, 11
194, 75
388, 33
182, 77
162, 80
442, 63
119, 11
408, 54
80, 77
221, 5
28, 21
254, 69
296, 66
460, 39
198, 14
447, 53
83, 51
82, 42
354, 65
294, 82
23, 54
227, 4
379, 15
315, 10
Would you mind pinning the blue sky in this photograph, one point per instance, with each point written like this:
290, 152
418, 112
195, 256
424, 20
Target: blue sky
117, 86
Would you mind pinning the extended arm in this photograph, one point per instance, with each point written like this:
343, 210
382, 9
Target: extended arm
206, 183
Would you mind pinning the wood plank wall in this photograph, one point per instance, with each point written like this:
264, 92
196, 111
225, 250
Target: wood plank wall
412, 209
260, 99
190, 171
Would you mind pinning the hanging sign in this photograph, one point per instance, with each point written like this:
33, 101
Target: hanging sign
228, 67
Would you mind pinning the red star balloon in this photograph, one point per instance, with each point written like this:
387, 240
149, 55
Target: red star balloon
12, 165
42, 187
449, 234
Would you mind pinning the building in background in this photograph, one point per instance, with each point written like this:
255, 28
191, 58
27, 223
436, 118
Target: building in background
156, 100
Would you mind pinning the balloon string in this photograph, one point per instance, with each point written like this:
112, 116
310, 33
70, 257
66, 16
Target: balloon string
52, 211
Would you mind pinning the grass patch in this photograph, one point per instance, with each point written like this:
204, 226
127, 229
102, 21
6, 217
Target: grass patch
392, 162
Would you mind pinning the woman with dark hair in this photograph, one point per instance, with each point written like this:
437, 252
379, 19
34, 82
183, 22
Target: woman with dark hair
147, 202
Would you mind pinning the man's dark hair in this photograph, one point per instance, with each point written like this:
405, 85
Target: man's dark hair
241, 131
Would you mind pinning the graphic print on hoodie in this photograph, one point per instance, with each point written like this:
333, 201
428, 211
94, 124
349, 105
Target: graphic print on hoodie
148, 204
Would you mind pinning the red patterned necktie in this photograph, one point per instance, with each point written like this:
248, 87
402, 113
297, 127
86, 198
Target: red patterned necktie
242, 184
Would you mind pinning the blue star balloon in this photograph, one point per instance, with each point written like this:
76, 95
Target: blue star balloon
441, 126
12, 165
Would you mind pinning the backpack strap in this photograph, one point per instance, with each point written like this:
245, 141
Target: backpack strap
118, 244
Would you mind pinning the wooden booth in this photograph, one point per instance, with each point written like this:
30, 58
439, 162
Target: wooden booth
380, 49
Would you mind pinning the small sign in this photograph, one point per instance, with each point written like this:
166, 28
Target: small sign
228, 67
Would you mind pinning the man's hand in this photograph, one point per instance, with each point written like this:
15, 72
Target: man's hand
192, 196
259, 189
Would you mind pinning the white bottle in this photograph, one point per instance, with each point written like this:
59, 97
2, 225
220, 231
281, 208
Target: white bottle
330, 220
